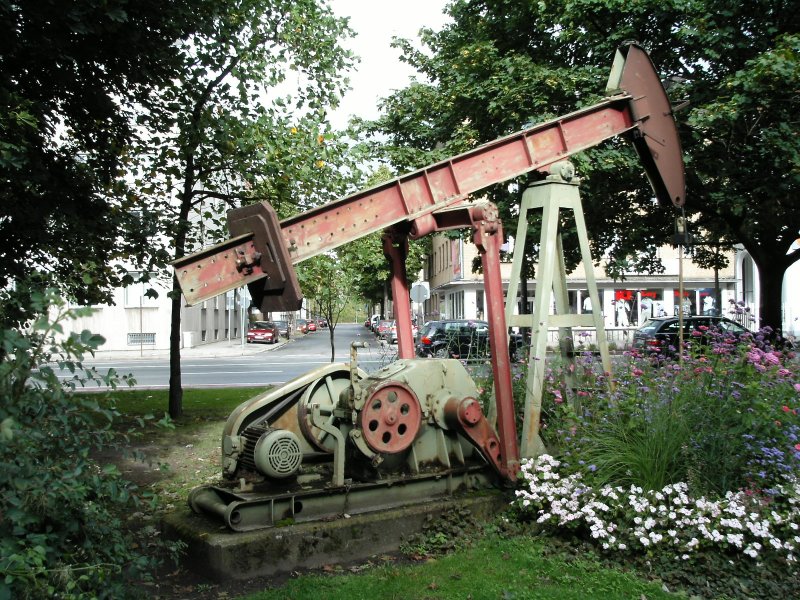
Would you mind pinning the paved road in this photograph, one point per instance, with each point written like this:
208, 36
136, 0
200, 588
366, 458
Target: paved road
271, 367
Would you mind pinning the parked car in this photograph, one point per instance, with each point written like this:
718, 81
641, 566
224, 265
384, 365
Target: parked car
322, 323
283, 328
463, 338
301, 325
660, 335
382, 329
454, 339
373, 322
263, 331
393, 332
311, 325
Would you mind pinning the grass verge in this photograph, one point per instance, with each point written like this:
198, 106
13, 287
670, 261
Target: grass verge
517, 568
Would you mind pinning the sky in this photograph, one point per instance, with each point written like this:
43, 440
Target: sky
380, 71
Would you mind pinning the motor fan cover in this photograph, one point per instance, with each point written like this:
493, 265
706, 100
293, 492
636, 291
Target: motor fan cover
277, 454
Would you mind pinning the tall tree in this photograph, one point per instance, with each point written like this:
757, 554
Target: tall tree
229, 125
501, 65
327, 280
71, 75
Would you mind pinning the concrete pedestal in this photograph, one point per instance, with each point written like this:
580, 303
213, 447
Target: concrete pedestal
223, 554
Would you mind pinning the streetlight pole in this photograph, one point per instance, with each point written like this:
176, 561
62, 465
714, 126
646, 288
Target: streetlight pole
681, 239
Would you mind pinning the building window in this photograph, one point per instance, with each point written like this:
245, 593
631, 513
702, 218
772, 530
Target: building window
135, 293
141, 339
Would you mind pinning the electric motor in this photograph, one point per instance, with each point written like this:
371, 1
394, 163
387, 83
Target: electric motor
275, 453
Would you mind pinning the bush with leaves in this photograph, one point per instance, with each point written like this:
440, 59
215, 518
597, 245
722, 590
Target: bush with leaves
724, 418
64, 529
684, 464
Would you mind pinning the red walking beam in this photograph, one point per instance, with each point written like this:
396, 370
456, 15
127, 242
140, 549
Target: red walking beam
640, 108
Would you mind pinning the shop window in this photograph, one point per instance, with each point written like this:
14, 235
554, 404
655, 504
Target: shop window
651, 304
689, 307
625, 304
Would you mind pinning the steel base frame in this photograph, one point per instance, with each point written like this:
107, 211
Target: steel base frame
247, 511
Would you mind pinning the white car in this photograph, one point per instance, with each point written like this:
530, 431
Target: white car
392, 337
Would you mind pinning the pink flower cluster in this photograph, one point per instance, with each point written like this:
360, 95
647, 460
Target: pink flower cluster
761, 360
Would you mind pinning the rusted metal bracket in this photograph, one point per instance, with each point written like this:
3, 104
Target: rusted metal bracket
395, 248
488, 237
220, 268
279, 290
465, 415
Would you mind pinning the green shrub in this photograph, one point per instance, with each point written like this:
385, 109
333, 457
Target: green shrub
723, 419
63, 530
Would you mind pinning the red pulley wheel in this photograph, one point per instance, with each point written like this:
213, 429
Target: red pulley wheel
391, 418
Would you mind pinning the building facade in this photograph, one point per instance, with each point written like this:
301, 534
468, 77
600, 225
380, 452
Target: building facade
457, 293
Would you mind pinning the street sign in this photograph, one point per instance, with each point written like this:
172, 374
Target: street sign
420, 293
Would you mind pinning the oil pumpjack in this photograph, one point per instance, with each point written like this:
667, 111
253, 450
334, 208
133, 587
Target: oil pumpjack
338, 440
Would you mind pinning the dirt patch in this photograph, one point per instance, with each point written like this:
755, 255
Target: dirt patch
174, 462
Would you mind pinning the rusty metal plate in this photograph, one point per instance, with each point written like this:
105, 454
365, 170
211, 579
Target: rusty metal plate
279, 290
657, 144
218, 269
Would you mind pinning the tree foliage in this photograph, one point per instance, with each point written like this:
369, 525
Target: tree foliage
499, 66
65, 530
244, 116
71, 76
327, 281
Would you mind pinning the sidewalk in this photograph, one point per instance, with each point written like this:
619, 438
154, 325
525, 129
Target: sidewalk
211, 350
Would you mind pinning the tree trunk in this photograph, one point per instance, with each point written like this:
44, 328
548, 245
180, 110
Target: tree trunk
175, 387
770, 277
175, 384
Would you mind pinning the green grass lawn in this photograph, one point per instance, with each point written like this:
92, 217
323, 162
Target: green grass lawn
495, 568
198, 403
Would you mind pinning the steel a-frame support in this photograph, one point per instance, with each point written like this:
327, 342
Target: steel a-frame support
558, 192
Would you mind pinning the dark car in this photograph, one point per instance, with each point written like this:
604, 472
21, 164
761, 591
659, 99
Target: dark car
263, 331
660, 335
454, 339
283, 328
464, 339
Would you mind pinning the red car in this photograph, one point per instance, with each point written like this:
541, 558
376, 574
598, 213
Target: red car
263, 331
312, 325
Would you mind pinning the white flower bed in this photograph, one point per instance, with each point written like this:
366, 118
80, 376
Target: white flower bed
621, 519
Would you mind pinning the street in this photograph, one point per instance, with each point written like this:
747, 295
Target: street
273, 366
